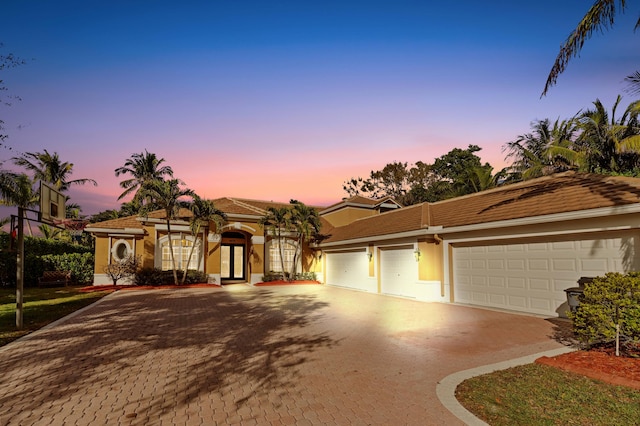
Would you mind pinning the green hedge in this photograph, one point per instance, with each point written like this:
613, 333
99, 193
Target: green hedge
35, 249
156, 276
81, 265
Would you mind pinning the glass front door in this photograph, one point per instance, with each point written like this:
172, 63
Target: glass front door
232, 262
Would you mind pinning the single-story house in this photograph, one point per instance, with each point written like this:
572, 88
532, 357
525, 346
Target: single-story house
515, 247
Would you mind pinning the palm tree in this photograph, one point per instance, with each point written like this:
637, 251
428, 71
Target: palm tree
17, 190
276, 222
545, 150
203, 212
482, 178
50, 232
48, 168
598, 18
143, 167
305, 222
166, 195
609, 144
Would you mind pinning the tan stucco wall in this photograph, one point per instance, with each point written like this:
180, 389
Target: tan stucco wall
101, 254
347, 215
145, 247
430, 266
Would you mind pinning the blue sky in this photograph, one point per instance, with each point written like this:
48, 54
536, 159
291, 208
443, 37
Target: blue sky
282, 99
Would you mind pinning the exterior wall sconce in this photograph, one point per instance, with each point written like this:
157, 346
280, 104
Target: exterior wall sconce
319, 255
369, 255
416, 253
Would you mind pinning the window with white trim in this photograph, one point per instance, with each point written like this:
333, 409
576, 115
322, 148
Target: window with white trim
120, 250
289, 250
181, 245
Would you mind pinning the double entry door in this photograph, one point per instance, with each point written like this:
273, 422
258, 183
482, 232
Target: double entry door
232, 265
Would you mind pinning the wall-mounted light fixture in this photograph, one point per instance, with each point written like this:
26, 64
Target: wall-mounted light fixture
416, 253
319, 255
369, 255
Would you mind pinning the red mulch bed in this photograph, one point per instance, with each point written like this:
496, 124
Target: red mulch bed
600, 364
143, 287
159, 287
270, 283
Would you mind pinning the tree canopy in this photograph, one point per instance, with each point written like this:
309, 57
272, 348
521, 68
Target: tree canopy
458, 172
594, 140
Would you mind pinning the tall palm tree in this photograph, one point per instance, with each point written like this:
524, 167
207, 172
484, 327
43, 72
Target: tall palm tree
166, 195
203, 212
50, 169
598, 18
276, 222
305, 222
143, 167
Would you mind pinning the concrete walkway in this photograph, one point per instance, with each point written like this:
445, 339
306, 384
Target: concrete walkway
241, 355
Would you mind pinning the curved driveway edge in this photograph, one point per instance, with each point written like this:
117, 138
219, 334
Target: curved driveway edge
446, 388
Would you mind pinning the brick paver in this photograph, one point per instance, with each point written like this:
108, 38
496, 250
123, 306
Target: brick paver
302, 355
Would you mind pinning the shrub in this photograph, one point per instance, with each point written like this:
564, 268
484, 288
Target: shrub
609, 310
305, 276
273, 276
194, 277
80, 265
123, 269
279, 276
149, 276
35, 249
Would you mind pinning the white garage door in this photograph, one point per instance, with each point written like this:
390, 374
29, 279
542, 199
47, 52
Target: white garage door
349, 270
532, 277
398, 272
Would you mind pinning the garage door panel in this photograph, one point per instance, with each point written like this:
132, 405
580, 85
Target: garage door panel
594, 265
538, 265
513, 301
539, 284
497, 282
516, 264
495, 264
534, 276
564, 265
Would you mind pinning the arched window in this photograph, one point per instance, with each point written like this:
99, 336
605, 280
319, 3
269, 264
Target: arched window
181, 245
288, 251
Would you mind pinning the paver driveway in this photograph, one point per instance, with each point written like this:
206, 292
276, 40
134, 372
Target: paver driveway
243, 355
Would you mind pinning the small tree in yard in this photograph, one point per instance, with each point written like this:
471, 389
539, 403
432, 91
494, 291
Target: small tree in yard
122, 269
609, 311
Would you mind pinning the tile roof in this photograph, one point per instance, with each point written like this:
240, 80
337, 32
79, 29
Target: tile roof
228, 205
562, 193
119, 223
358, 200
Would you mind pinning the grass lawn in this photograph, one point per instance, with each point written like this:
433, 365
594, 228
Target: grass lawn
41, 307
536, 394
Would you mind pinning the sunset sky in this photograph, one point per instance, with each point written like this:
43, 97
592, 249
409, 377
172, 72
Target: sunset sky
288, 99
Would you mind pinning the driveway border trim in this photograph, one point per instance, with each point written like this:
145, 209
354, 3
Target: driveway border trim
446, 388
